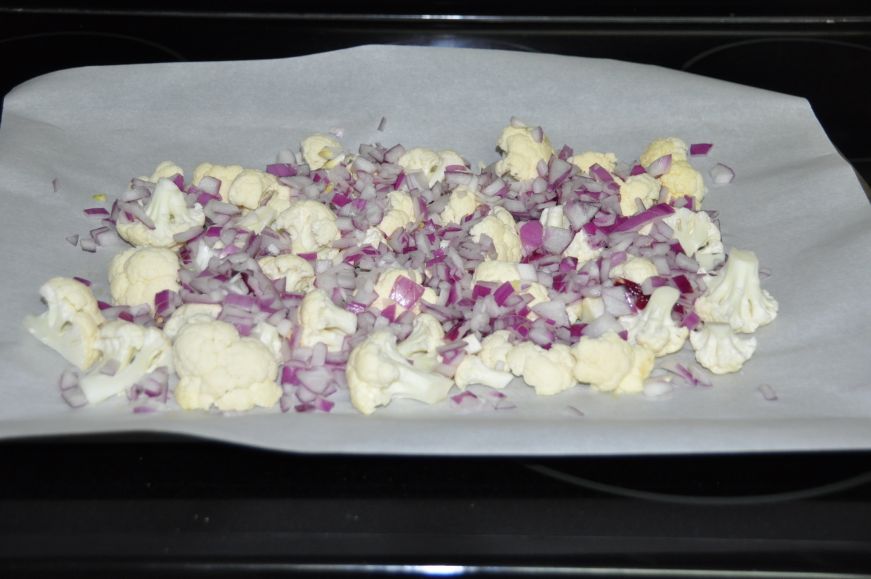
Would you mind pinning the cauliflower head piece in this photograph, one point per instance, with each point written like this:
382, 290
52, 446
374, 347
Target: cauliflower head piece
132, 351
218, 367
673, 146
311, 225
170, 214
71, 324
400, 214
549, 372
137, 274
223, 173
610, 364
500, 226
721, 350
682, 180
429, 163
653, 327
190, 314
641, 187
522, 151
587, 159
321, 151
323, 321
421, 346
378, 374
298, 273
735, 297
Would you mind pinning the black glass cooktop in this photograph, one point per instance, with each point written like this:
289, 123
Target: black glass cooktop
147, 505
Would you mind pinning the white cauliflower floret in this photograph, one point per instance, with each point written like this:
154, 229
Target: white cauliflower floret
71, 324
735, 297
421, 346
430, 163
609, 363
271, 338
521, 152
190, 314
224, 174
170, 215
495, 349
698, 236
129, 353
472, 370
673, 146
585, 310
502, 271
259, 219
217, 367
323, 321
386, 282
643, 187
320, 150
581, 249
377, 374
298, 273
682, 180
138, 274
164, 170
635, 269
554, 216
249, 187
584, 161
312, 226
654, 327
500, 226
400, 214
721, 350
461, 203
548, 371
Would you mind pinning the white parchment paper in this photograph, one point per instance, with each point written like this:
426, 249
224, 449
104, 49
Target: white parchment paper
794, 201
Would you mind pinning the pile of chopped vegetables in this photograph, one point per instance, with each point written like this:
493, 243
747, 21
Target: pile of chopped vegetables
406, 273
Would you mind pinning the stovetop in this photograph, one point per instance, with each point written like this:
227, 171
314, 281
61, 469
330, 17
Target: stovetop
142, 505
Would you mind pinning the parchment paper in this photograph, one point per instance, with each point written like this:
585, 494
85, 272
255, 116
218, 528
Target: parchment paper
794, 201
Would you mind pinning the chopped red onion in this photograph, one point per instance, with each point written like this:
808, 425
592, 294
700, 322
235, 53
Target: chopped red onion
722, 174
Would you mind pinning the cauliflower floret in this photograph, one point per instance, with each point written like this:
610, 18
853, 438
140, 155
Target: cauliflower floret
643, 187
472, 370
224, 174
654, 327
662, 147
164, 170
385, 285
735, 297
312, 226
170, 215
298, 273
250, 185
521, 152
608, 363
320, 150
71, 324
400, 214
502, 271
585, 310
430, 163
495, 349
217, 367
500, 226
698, 236
461, 203
422, 344
635, 269
548, 371
137, 274
554, 216
190, 314
721, 350
323, 321
584, 161
377, 374
131, 352
682, 180
257, 220
580, 249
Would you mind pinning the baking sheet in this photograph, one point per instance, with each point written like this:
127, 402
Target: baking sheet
794, 201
